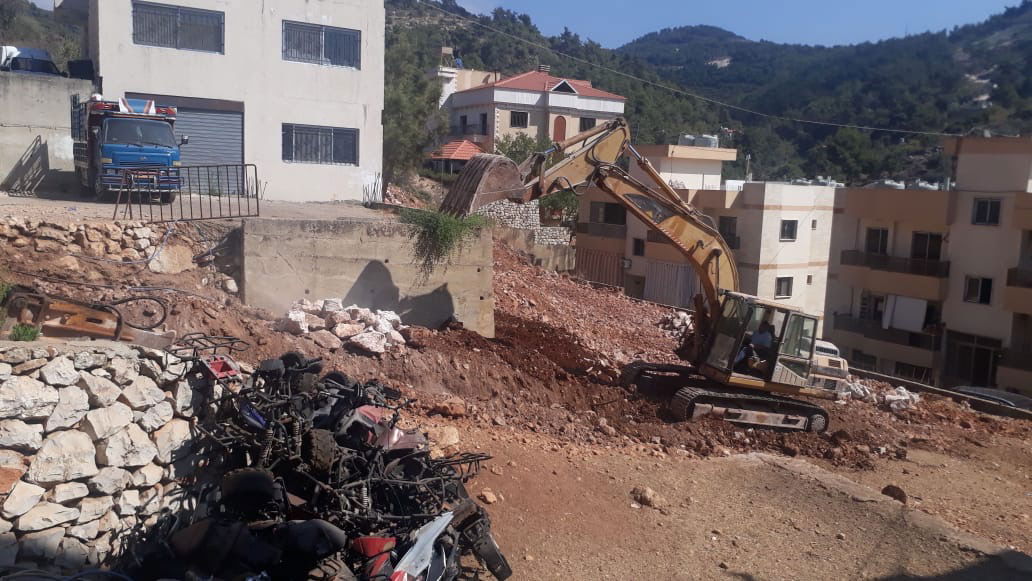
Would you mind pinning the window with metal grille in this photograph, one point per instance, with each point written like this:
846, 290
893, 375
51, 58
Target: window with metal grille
788, 230
519, 119
986, 212
329, 145
783, 287
587, 123
178, 27
322, 45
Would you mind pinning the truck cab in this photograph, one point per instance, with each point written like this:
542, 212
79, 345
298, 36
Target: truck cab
126, 145
37, 61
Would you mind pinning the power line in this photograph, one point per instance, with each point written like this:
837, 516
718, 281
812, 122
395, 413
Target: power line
682, 91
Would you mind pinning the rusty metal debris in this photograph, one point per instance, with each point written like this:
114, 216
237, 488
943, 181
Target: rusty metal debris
63, 317
319, 481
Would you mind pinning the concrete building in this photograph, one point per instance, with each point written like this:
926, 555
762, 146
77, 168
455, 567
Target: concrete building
780, 234
295, 86
534, 103
937, 285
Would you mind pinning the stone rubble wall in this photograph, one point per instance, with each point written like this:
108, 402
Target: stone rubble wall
526, 217
94, 442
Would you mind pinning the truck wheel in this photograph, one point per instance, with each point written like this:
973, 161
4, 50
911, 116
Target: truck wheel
168, 197
85, 185
98, 188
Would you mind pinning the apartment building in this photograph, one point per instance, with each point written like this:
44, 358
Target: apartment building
937, 285
533, 103
295, 86
779, 233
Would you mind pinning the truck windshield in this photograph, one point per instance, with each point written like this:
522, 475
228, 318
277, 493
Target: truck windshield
139, 132
27, 65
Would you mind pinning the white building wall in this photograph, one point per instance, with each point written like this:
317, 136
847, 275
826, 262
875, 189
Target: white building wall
274, 91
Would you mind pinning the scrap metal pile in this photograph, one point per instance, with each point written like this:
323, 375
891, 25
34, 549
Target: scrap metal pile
317, 481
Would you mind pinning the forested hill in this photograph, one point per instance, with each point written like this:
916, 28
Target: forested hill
972, 78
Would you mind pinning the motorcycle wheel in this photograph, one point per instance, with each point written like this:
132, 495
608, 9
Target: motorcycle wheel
491, 556
319, 449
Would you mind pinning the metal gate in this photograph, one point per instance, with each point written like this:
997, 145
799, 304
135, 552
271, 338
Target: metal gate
205, 192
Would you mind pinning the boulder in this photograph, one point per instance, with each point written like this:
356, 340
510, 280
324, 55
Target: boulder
128, 502
94, 508
6, 370
20, 436
370, 341
9, 476
142, 244
332, 306
645, 496
89, 360
395, 338
173, 259
43, 545
63, 493
147, 476
110, 480
314, 322
129, 447
45, 515
86, 531
29, 366
72, 555
391, 317
326, 339
142, 393
230, 286
22, 499
123, 370
101, 392
348, 330
382, 326
59, 372
336, 318
103, 423
453, 407
182, 399
155, 417
16, 355
172, 440
443, 437
66, 455
72, 405
295, 323
25, 398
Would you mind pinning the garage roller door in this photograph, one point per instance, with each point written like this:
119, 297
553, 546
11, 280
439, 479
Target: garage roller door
216, 137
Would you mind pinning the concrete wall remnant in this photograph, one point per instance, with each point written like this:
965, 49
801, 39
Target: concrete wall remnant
369, 264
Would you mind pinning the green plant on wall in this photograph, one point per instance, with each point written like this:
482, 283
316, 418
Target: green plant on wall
24, 333
437, 236
564, 202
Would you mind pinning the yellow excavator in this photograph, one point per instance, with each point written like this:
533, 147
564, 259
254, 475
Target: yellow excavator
745, 356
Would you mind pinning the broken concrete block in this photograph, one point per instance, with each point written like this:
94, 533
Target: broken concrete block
332, 306
348, 330
370, 341
314, 322
295, 323
66, 455
326, 339
391, 317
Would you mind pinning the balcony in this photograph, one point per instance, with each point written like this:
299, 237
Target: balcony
879, 273
1017, 295
873, 330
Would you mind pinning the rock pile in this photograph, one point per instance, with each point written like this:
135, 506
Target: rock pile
677, 323
92, 442
332, 326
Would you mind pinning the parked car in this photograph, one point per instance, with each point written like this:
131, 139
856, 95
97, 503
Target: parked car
1014, 400
18, 59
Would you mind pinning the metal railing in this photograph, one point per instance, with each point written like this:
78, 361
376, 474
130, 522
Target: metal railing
189, 193
918, 266
1019, 277
873, 330
1016, 359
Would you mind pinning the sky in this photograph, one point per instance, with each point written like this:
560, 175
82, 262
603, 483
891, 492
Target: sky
824, 22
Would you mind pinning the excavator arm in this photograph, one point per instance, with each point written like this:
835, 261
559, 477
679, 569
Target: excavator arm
590, 159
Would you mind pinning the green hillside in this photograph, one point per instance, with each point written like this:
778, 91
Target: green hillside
24, 24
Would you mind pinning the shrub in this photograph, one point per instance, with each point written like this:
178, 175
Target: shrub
24, 333
437, 236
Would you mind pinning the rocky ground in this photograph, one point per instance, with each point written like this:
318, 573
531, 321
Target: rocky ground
542, 395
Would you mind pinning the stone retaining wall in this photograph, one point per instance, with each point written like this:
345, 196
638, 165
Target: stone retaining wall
94, 442
526, 217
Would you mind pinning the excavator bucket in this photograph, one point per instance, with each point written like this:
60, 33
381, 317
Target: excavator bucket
486, 178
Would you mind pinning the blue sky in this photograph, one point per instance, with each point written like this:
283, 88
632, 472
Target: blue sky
827, 22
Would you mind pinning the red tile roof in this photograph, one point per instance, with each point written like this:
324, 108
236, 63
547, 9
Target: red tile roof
539, 81
460, 149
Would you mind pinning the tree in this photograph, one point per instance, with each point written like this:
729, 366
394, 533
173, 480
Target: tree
519, 147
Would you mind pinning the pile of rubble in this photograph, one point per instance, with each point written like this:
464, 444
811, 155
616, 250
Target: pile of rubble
896, 398
113, 240
88, 449
677, 323
332, 326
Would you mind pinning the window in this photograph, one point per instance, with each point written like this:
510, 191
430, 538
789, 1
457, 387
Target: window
607, 213
519, 119
915, 372
799, 334
783, 287
330, 145
727, 226
862, 360
788, 229
483, 124
986, 212
587, 123
175, 27
978, 290
877, 241
463, 122
322, 45
809, 279
813, 224
926, 246
639, 247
